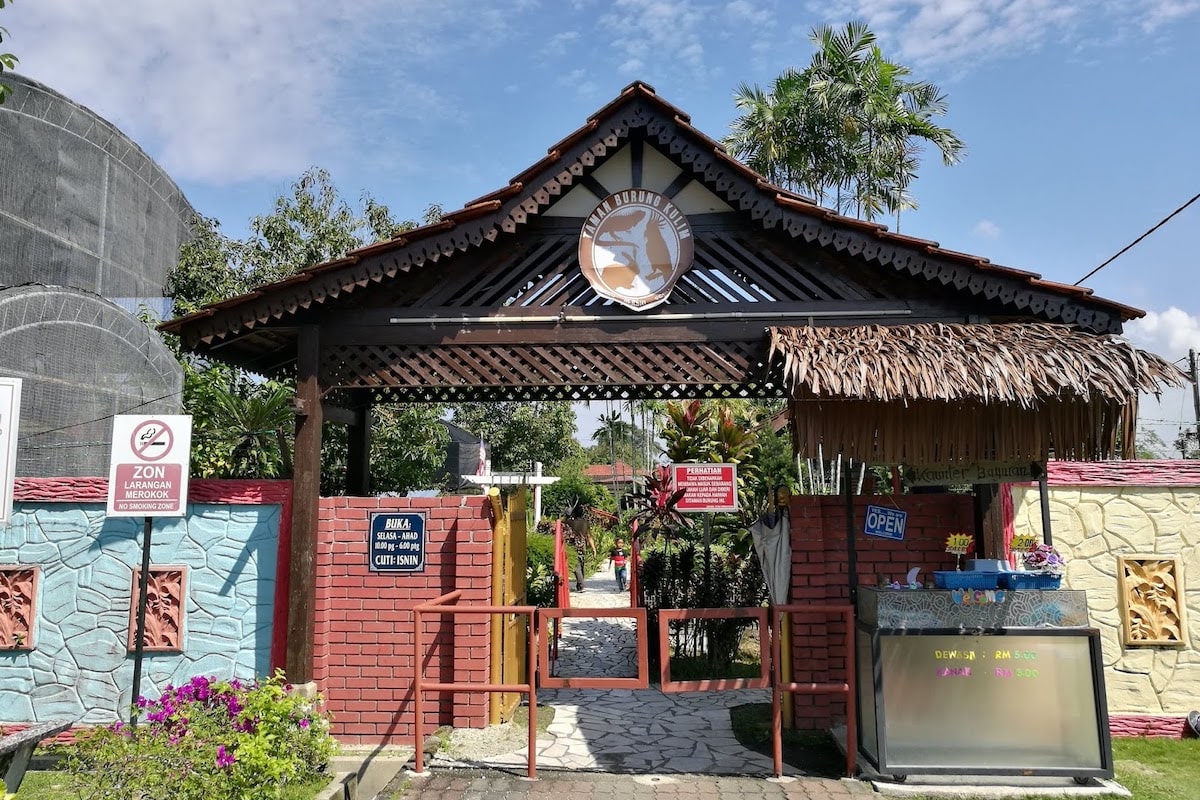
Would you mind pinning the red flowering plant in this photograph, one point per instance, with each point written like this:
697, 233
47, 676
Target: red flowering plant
206, 738
659, 513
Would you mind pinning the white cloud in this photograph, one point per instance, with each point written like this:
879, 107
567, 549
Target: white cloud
1158, 13
746, 12
230, 92
1170, 333
665, 33
963, 32
987, 229
560, 44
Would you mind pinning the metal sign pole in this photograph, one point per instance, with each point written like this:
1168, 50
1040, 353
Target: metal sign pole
140, 642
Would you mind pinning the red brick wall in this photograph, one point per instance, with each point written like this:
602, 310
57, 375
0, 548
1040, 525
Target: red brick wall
820, 570
363, 652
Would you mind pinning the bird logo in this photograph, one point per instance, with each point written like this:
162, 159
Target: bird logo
634, 246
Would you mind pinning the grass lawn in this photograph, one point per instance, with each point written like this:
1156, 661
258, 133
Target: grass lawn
1152, 769
1158, 769
48, 785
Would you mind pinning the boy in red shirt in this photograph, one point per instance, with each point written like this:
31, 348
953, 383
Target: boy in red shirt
618, 558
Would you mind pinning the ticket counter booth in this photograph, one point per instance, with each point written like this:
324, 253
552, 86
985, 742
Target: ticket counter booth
981, 682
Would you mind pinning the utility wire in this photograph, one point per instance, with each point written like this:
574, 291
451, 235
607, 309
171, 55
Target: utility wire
29, 436
1129, 246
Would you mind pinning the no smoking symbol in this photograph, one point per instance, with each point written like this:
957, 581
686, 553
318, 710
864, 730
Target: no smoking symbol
151, 440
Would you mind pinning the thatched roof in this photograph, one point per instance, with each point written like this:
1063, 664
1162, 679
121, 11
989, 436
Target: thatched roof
1025, 364
939, 393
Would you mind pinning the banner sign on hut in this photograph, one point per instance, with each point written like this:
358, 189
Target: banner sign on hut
886, 523
977, 472
396, 542
148, 471
709, 487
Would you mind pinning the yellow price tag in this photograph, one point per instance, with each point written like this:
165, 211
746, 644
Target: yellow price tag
958, 543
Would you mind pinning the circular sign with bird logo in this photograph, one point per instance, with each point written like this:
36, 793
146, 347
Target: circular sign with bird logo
634, 246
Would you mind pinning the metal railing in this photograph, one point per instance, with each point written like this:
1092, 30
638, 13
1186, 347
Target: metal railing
538, 619
443, 605
778, 687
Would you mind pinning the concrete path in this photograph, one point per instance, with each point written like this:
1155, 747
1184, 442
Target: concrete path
609, 744
643, 731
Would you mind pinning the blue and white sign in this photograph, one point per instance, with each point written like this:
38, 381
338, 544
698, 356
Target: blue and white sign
886, 523
396, 542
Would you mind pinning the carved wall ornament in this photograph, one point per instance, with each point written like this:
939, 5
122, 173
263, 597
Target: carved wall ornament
18, 601
166, 593
1152, 600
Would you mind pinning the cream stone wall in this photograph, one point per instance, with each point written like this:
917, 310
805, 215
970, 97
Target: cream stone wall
1091, 527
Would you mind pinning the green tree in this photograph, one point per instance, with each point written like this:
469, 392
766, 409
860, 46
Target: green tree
521, 433
309, 226
244, 426
7, 61
851, 125
408, 450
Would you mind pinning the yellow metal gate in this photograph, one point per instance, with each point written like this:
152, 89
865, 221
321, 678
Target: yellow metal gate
509, 638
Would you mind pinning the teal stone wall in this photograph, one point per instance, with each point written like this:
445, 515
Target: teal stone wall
80, 667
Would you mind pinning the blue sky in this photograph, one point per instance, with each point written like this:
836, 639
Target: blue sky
1079, 116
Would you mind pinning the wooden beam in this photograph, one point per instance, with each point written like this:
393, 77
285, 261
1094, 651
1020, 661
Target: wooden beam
594, 186
306, 489
989, 521
358, 453
338, 415
636, 163
677, 185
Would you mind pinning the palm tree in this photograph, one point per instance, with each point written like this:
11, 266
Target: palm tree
851, 124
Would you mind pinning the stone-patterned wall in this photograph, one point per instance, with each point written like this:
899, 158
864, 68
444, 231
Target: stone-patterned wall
80, 666
363, 654
1103, 511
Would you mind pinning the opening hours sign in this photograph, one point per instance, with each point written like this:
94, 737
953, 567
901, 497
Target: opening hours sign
709, 487
148, 473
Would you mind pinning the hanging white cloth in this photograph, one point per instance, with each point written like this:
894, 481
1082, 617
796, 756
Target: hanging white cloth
773, 544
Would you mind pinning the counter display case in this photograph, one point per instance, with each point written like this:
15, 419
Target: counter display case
991, 683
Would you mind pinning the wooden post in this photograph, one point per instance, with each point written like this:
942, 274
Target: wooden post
306, 489
358, 452
989, 521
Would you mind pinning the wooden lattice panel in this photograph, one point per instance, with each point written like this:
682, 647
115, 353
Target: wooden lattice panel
551, 371
18, 601
166, 590
1153, 608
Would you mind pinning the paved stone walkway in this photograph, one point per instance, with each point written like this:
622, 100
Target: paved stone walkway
491, 785
642, 731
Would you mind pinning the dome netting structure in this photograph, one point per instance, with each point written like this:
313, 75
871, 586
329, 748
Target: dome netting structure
82, 359
81, 204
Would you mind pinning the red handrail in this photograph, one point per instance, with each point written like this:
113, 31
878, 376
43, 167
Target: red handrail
778, 687
442, 605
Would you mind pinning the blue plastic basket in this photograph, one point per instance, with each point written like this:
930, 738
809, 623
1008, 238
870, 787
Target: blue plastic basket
966, 580
1031, 580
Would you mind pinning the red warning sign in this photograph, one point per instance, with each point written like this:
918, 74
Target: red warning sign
709, 487
148, 471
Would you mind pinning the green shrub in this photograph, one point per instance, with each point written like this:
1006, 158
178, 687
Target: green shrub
206, 739
539, 569
672, 576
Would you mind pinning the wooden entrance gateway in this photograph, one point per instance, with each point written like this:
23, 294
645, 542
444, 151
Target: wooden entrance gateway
889, 347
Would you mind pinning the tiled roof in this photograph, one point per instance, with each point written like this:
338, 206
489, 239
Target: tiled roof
534, 189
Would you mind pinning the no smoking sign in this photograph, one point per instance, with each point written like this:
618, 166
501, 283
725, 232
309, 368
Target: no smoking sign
148, 471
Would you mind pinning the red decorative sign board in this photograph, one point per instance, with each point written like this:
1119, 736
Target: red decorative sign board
148, 472
709, 487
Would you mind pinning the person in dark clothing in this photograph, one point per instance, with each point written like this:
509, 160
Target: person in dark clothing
578, 533
618, 558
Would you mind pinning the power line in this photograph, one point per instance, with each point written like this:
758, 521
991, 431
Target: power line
1129, 246
27, 437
